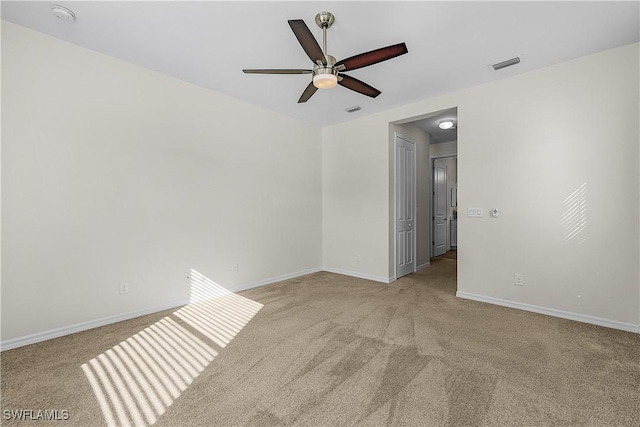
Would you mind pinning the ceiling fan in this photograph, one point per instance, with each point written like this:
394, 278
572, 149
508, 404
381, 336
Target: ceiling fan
327, 72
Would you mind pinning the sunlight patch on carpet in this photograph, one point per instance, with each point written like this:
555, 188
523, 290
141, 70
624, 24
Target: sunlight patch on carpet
135, 381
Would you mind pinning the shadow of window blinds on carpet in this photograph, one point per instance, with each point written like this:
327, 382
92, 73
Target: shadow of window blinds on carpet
138, 379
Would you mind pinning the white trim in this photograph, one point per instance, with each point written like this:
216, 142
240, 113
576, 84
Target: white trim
83, 326
421, 266
442, 156
629, 327
91, 324
275, 279
359, 275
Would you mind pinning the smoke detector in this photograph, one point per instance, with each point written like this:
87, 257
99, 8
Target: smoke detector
63, 13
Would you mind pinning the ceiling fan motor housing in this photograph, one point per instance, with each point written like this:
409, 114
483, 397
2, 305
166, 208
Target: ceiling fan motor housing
326, 69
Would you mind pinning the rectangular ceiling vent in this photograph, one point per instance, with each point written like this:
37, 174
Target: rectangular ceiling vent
352, 109
505, 64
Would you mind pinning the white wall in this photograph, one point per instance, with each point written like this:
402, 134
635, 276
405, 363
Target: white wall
111, 172
444, 149
355, 173
525, 144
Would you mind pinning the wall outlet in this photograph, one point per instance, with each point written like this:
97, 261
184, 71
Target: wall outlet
124, 287
358, 257
234, 267
518, 279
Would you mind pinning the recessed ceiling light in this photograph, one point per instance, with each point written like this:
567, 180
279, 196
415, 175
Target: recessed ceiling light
63, 13
445, 124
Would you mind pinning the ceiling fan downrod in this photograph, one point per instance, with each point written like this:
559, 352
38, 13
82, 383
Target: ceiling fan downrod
324, 20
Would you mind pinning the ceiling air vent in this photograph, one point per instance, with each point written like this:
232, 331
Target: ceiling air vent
352, 109
505, 64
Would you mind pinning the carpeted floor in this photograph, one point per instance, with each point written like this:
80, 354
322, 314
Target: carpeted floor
330, 350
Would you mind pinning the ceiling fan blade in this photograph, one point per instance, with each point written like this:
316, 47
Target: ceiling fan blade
373, 57
277, 71
358, 86
308, 92
307, 41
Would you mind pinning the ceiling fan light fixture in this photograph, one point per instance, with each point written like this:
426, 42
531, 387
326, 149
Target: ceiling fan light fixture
445, 124
325, 78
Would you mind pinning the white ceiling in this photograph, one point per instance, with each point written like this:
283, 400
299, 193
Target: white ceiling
450, 44
431, 123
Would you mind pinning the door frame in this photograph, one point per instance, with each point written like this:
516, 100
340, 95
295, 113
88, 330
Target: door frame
431, 202
397, 135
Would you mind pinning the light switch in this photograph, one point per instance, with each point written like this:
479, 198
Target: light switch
474, 212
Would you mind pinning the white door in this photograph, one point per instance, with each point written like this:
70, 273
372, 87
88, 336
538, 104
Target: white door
439, 208
405, 206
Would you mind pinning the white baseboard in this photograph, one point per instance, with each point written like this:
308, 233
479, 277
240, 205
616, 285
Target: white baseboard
83, 326
390, 279
629, 327
359, 275
275, 279
421, 266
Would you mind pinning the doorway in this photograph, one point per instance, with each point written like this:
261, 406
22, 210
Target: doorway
430, 141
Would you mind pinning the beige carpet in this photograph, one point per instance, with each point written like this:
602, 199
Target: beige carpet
329, 350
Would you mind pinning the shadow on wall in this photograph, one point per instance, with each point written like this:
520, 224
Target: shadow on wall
138, 379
